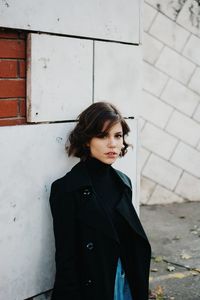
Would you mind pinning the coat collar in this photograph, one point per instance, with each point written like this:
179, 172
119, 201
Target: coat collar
81, 178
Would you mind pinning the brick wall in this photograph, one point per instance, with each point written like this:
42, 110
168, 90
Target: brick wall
12, 77
170, 106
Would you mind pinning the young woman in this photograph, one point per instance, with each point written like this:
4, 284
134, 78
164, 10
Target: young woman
102, 252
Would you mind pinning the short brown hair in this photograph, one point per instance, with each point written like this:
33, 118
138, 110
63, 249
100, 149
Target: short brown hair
90, 123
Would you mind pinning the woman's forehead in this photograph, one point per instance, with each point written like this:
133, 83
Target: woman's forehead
109, 125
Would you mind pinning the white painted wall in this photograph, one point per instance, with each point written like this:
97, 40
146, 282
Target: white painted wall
32, 157
117, 75
60, 77
103, 70
98, 19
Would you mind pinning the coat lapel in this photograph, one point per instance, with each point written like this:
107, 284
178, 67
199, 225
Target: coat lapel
93, 213
126, 209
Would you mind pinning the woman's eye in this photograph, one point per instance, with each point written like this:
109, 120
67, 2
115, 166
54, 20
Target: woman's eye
102, 135
119, 136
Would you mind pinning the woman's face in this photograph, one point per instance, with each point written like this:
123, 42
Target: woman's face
107, 147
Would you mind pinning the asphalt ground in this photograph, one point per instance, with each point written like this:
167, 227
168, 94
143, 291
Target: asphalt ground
174, 234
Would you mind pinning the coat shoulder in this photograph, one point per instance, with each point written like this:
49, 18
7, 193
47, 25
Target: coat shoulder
61, 180
59, 194
124, 178
72, 180
63, 184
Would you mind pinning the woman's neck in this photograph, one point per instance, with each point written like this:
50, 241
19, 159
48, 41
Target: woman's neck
97, 167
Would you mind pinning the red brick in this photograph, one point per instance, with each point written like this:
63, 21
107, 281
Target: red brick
8, 108
22, 108
12, 48
8, 68
14, 121
22, 69
12, 88
22, 35
8, 35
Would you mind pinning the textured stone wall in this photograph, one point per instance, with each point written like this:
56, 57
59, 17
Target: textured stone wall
170, 106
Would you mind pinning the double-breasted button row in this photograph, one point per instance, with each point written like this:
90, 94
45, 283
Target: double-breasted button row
86, 192
90, 246
88, 283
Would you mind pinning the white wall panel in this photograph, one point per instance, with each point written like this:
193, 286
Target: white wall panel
59, 79
32, 157
117, 75
111, 20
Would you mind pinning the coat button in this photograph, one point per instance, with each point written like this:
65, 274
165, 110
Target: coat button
90, 246
86, 192
89, 282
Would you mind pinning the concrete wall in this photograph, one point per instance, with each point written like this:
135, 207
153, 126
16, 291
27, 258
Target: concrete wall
170, 106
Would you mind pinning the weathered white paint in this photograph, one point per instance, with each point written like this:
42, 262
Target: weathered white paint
32, 157
98, 19
117, 75
59, 79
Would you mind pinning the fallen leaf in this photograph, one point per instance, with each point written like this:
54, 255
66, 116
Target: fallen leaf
170, 268
196, 270
194, 231
159, 292
154, 270
158, 258
182, 217
185, 256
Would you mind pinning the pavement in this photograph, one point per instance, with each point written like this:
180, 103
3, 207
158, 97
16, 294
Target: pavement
174, 234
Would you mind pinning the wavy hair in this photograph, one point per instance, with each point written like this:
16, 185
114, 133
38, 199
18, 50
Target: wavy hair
90, 124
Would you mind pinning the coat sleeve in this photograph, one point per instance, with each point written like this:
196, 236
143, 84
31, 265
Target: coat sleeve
66, 284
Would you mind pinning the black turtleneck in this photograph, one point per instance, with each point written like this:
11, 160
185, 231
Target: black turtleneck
105, 182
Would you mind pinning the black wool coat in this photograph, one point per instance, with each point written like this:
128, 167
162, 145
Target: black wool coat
87, 247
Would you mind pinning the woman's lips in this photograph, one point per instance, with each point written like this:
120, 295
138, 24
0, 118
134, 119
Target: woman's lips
111, 154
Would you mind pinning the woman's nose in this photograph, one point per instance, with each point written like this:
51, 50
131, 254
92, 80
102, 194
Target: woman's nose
111, 142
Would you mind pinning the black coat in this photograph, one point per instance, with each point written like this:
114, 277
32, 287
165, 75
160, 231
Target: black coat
87, 247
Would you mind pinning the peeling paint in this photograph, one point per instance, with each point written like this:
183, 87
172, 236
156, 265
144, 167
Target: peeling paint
59, 139
6, 3
194, 10
177, 6
45, 61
